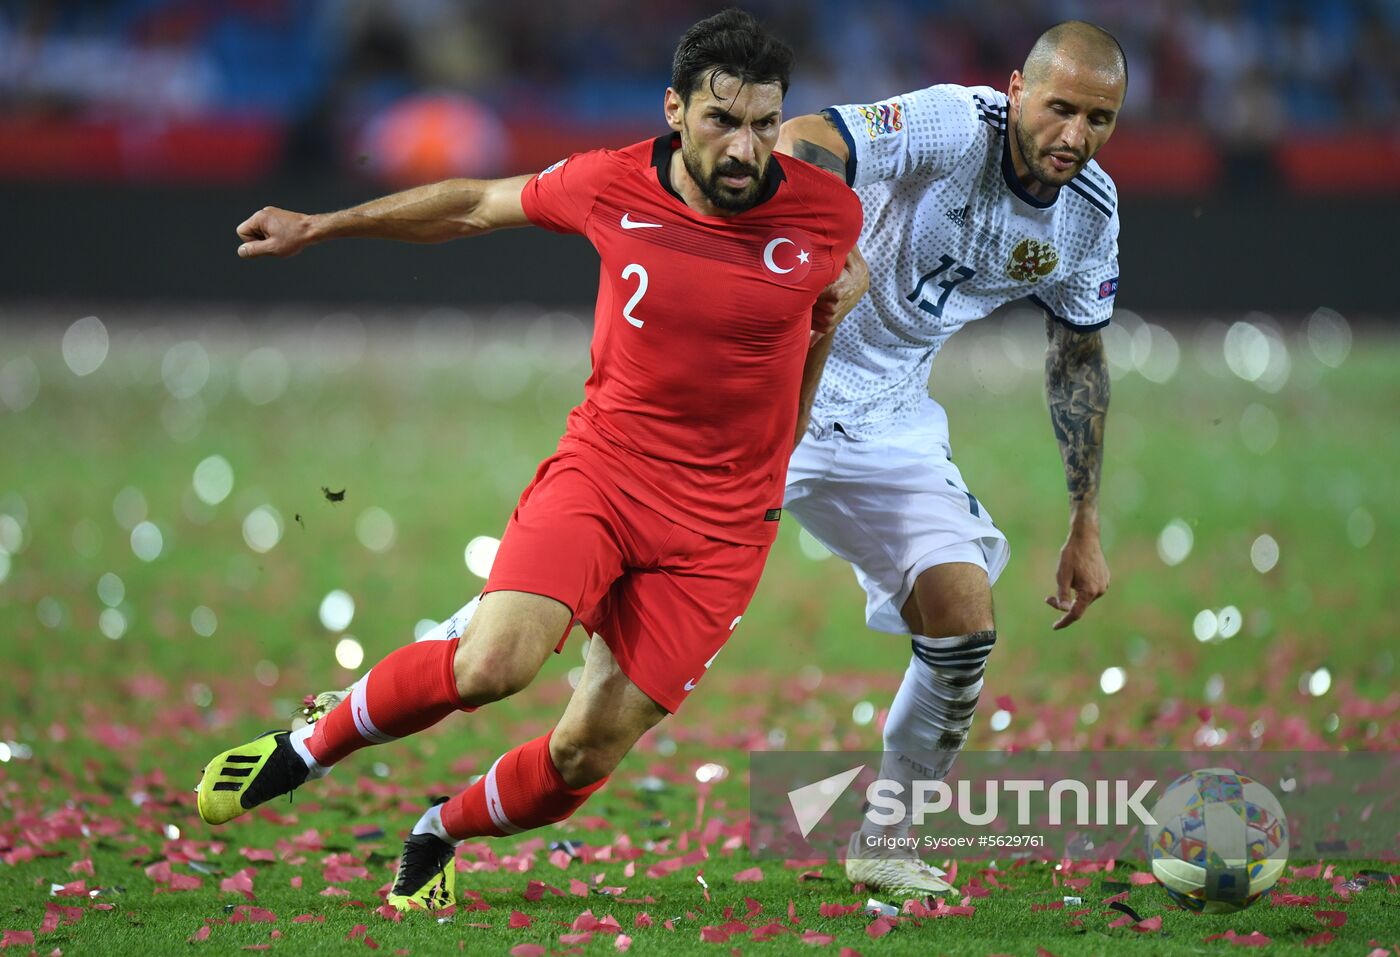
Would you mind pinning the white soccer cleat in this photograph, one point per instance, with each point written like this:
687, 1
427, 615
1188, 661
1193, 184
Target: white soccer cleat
900, 876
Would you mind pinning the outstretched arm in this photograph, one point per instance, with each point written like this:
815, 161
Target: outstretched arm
1076, 385
425, 214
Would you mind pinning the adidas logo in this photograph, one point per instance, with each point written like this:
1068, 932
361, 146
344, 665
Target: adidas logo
230, 771
958, 217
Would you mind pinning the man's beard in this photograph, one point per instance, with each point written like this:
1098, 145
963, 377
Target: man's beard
721, 196
1025, 144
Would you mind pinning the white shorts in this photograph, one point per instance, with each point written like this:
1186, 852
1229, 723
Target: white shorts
892, 506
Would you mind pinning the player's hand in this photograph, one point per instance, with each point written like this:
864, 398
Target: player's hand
274, 232
1081, 577
841, 296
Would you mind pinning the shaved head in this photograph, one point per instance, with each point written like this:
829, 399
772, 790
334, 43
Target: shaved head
1089, 48
1063, 105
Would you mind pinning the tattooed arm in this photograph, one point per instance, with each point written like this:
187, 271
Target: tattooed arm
814, 139
1076, 385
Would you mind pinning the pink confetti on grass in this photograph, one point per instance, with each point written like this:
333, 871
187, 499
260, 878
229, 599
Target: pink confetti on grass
81, 867
1140, 878
850, 952
577, 887
201, 934
836, 910
534, 890
751, 875
253, 915
527, 950
623, 943
1332, 918
257, 854
815, 939
76, 888
389, 912
519, 920
580, 938
57, 914
713, 935
1252, 939
879, 927
768, 931
1293, 900
309, 919
240, 883
1320, 939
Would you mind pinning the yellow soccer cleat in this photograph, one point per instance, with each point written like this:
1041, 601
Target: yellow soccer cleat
242, 778
427, 876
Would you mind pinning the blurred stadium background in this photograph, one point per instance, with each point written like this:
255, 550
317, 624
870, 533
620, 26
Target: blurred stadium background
172, 574
1252, 420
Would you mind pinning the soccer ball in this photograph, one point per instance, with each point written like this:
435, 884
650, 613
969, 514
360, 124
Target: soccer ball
1220, 842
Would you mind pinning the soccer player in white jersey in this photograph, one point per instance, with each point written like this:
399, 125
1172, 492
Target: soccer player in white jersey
973, 198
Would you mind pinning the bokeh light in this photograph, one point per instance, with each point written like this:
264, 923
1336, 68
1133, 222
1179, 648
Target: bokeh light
11, 534
1361, 527
112, 623
707, 773
213, 479
19, 383
185, 369
1319, 682
129, 507
85, 346
1206, 626
1259, 428
111, 589
5, 563
1229, 621
480, 555
375, 529
348, 653
1264, 554
204, 621
147, 542
1174, 542
1329, 337
1001, 719
1112, 680
262, 528
337, 611
863, 713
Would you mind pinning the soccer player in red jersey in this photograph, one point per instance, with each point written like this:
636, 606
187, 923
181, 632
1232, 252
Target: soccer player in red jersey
651, 522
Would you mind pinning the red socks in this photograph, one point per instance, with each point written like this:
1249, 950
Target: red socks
415, 688
411, 689
523, 790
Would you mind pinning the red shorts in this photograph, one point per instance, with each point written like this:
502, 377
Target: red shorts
663, 597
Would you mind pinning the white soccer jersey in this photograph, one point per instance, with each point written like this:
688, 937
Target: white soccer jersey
950, 235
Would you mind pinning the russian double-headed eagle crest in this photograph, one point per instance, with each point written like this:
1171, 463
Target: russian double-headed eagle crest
1031, 261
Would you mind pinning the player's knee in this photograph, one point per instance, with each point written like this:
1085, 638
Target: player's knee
580, 760
487, 671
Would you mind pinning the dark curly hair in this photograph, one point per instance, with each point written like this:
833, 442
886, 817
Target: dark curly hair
734, 43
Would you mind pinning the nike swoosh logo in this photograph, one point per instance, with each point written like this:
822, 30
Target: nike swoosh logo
690, 685
629, 223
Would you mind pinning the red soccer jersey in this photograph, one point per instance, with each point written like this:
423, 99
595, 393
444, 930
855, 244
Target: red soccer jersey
701, 328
